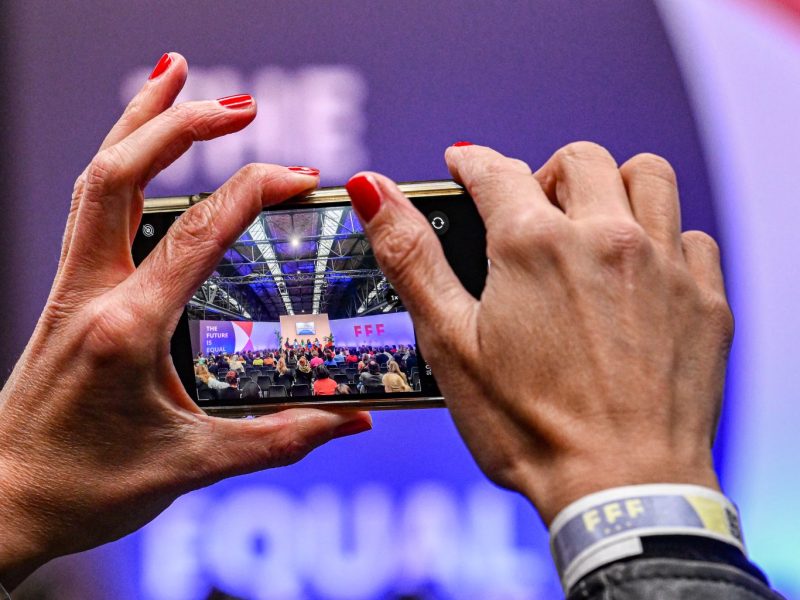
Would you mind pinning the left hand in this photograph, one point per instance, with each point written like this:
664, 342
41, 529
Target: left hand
97, 434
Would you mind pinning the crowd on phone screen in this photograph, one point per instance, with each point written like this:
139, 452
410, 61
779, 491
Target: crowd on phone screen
304, 370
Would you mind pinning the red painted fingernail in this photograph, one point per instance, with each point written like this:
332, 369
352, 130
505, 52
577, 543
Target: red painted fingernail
163, 64
237, 101
352, 428
459, 144
364, 197
305, 170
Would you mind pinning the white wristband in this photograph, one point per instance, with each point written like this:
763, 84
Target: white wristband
607, 526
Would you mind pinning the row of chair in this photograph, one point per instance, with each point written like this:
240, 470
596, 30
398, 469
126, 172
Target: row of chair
298, 390
253, 372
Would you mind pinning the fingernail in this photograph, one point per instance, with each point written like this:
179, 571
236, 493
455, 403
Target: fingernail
163, 64
364, 197
462, 143
237, 101
352, 428
305, 170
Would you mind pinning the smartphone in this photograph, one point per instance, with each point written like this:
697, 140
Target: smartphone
298, 312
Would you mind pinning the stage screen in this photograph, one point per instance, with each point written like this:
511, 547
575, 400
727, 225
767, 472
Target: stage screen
305, 328
392, 329
229, 337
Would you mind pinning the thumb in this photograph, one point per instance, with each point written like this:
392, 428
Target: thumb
236, 446
410, 255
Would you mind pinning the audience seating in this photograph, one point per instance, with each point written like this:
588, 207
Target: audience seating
264, 376
264, 381
301, 389
276, 391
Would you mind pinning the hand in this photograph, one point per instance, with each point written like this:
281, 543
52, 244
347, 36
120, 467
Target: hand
97, 435
596, 354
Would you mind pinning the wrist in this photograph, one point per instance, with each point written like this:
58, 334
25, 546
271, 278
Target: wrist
579, 478
22, 533
19, 555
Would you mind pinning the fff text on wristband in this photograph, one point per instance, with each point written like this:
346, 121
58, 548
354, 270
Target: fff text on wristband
608, 526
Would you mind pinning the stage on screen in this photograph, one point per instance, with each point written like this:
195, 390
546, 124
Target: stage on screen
298, 308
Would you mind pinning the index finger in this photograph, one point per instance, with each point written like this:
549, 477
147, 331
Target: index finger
197, 241
498, 184
155, 96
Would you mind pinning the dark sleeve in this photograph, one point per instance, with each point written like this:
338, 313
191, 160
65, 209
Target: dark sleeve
677, 567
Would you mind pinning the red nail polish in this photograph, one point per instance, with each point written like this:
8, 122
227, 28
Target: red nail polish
237, 101
305, 170
460, 144
163, 64
364, 197
352, 428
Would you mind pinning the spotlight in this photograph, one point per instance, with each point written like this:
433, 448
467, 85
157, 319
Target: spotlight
295, 242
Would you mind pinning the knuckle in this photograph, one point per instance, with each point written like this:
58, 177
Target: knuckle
500, 178
192, 121
253, 178
80, 184
133, 113
623, 239
719, 312
106, 170
196, 228
651, 165
255, 172
399, 247
702, 242
503, 165
583, 151
181, 112
290, 451
505, 470
496, 166
110, 334
727, 323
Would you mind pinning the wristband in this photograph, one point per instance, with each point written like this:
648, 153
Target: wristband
608, 526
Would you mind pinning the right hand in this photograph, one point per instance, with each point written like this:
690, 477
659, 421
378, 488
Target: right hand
97, 434
596, 354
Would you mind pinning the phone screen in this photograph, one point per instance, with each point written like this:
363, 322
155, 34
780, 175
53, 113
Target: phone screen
299, 308
299, 312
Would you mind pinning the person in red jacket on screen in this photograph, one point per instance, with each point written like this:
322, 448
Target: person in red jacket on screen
323, 384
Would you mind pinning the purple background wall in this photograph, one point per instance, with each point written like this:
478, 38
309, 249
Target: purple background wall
407, 79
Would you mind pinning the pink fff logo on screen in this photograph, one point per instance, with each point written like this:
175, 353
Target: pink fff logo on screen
366, 330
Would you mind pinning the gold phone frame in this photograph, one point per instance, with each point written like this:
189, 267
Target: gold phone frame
322, 196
